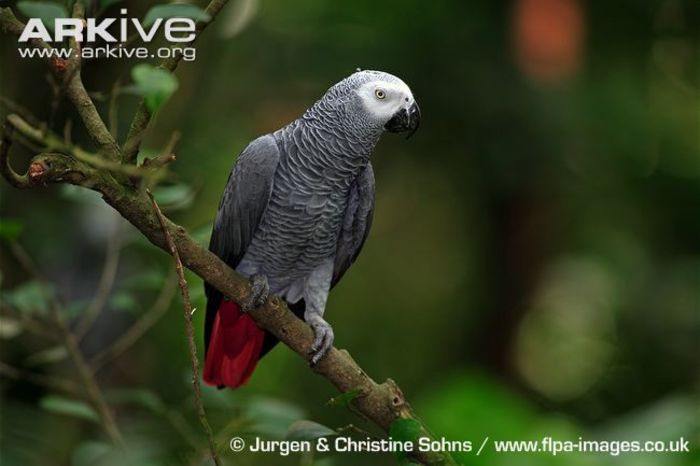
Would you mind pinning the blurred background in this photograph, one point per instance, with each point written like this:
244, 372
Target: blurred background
533, 269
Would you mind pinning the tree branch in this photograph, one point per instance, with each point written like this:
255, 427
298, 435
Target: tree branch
78, 95
139, 328
381, 403
51, 141
104, 287
187, 308
47, 381
10, 23
88, 382
143, 115
75, 90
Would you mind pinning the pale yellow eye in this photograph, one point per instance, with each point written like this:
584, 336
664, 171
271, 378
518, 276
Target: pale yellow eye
380, 94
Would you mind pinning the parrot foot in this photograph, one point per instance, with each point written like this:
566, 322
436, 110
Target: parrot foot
323, 338
259, 291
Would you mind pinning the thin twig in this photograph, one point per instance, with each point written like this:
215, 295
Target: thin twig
143, 115
52, 141
187, 308
14, 178
92, 389
14, 107
109, 274
46, 381
140, 327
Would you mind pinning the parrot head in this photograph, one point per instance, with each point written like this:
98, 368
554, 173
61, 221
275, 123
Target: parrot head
377, 101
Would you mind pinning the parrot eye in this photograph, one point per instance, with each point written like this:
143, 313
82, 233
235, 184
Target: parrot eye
380, 94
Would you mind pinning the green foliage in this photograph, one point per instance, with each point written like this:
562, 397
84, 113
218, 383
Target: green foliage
90, 453
50, 355
74, 408
156, 85
308, 430
31, 297
142, 397
122, 300
10, 228
507, 180
404, 430
174, 196
47, 12
175, 10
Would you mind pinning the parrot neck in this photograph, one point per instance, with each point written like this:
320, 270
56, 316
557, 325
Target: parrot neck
329, 149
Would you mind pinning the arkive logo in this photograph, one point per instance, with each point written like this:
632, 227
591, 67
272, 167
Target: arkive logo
90, 32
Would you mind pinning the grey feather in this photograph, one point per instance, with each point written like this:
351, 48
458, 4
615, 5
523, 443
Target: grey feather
356, 223
298, 205
242, 206
245, 199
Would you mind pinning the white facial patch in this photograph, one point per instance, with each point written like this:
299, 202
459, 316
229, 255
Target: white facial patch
382, 99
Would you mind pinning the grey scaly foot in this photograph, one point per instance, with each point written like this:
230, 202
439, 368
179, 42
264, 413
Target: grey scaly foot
259, 291
323, 338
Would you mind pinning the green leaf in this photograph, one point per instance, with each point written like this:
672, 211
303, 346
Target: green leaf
29, 297
175, 10
74, 408
47, 12
404, 430
173, 197
145, 153
122, 301
138, 396
9, 327
10, 228
344, 399
308, 430
47, 356
155, 84
90, 453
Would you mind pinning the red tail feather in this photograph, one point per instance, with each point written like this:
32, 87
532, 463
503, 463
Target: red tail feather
234, 347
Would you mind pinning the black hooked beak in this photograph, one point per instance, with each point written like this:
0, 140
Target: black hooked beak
405, 120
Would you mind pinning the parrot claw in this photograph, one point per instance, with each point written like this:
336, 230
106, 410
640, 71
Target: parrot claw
323, 339
259, 291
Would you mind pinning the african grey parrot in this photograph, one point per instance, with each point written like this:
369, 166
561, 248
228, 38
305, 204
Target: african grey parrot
295, 213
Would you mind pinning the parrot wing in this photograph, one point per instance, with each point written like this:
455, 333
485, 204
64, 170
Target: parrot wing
356, 223
243, 203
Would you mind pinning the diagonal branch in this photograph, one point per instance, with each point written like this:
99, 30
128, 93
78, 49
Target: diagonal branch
381, 403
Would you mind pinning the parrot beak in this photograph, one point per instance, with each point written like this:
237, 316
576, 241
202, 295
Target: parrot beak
406, 119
